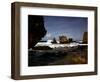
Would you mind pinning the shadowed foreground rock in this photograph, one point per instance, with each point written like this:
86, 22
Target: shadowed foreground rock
36, 30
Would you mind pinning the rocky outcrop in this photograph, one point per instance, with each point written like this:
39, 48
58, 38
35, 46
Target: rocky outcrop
36, 30
63, 39
85, 37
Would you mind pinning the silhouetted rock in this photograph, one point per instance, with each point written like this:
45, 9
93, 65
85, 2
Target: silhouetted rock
54, 41
36, 30
63, 39
85, 37
70, 40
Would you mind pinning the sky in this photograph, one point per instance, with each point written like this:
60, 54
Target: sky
72, 27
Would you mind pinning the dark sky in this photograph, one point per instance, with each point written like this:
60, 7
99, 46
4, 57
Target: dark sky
72, 27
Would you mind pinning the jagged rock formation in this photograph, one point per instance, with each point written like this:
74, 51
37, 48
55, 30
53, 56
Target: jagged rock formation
54, 41
85, 37
36, 30
63, 39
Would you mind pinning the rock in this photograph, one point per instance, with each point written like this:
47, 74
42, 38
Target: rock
85, 37
63, 39
36, 30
